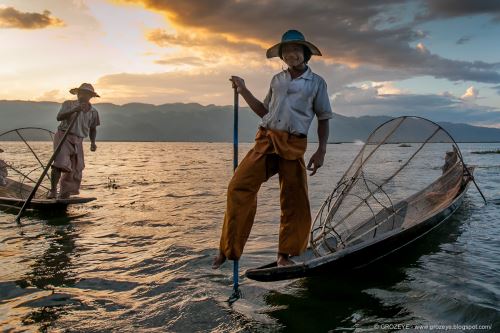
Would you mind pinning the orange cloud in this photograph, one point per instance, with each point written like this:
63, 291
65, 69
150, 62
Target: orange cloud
470, 94
190, 61
205, 86
201, 48
203, 41
51, 95
13, 18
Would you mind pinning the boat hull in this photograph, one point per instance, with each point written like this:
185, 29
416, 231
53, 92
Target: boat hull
13, 194
45, 204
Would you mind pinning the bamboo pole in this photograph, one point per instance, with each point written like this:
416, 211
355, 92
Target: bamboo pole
236, 285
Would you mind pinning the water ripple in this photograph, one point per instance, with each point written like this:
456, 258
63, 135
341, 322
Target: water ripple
138, 259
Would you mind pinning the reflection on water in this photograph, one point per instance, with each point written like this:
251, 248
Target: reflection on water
50, 270
139, 257
351, 299
53, 267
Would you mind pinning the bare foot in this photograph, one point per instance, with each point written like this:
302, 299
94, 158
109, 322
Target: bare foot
52, 194
63, 196
284, 260
218, 261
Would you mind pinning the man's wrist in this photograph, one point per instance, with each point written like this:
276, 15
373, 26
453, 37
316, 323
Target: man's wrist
244, 90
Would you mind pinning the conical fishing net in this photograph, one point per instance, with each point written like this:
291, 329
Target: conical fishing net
408, 170
26, 152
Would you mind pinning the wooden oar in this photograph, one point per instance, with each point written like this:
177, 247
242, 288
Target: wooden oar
235, 130
236, 285
49, 164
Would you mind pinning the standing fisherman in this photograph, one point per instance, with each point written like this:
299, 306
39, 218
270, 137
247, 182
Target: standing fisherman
70, 160
296, 95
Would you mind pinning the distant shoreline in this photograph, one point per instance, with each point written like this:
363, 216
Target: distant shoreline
179, 122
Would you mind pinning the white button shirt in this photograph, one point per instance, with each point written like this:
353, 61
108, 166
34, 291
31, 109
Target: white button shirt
292, 104
85, 121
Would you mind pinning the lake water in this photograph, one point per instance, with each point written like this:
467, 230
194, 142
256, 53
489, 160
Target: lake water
138, 258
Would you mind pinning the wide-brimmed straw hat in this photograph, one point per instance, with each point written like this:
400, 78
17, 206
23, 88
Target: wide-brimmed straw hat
292, 36
84, 86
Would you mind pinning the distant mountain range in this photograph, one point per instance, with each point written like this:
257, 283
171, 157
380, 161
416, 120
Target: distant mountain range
195, 122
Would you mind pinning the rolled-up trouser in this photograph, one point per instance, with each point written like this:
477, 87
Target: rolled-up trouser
295, 222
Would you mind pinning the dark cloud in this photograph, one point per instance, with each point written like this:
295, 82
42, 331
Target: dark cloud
436, 9
354, 101
12, 18
348, 32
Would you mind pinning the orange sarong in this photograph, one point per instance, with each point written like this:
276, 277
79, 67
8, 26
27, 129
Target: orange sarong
274, 152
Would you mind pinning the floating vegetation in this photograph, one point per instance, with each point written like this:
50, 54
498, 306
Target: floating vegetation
112, 184
497, 151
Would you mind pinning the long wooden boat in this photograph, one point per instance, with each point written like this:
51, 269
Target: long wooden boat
359, 223
13, 194
366, 251
27, 150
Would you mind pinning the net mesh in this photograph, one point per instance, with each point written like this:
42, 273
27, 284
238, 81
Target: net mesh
26, 152
408, 169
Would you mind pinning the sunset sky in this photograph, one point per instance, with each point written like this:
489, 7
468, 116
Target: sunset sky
434, 58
